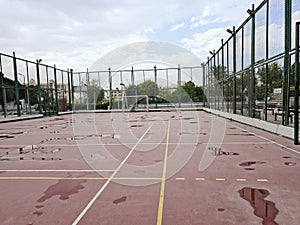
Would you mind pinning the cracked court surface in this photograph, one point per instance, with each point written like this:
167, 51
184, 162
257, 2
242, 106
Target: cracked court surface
186, 167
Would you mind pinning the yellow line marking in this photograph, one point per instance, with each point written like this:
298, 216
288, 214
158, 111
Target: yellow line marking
180, 178
163, 181
262, 180
240, 179
220, 179
79, 178
200, 178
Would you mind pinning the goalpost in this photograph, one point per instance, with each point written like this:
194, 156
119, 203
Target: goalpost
135, 103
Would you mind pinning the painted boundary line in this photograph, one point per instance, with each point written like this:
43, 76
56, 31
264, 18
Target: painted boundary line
76, 221
163, 180
118, 144
260, 124
268, 140
75, 171
79, 178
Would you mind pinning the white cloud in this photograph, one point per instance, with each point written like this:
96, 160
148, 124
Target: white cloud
75, 34
200, 21
177, 26
201, 43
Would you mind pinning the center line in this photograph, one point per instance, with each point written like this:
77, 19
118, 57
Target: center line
163, 181
108, 181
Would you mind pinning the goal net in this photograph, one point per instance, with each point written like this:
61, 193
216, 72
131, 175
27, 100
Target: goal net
132, 103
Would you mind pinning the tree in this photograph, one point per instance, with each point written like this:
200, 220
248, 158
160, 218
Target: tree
148, 87
275, 78
194, 92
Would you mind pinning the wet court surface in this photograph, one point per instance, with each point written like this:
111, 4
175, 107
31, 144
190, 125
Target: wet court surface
185, 168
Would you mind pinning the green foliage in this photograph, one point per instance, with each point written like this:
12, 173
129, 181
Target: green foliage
148, 87
275, 78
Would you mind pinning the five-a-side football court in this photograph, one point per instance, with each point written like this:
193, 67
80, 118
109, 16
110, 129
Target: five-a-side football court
154, 168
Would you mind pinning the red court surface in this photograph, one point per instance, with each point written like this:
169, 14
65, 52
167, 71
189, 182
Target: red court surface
171, 168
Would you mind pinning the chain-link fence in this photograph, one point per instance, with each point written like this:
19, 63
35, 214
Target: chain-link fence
29, 88
164, 88
253, 72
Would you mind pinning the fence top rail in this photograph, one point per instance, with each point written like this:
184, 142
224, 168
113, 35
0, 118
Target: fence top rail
32, 62
138, 70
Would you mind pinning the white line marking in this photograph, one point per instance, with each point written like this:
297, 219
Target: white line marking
266, 139
76, 171
98, 144
108, 181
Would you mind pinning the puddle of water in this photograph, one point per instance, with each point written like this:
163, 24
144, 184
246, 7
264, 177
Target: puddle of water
244, 134
251, 163
37, 213
6, 136
290, 163
119, 200
218, 152
137, 125
262, 208
63, 189
286, 157
221, 209
249, 168
188, 118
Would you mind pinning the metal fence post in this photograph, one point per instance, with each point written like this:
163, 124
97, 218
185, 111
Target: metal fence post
155, 80
72, 89
16, 84
3, 88
69, 91
223, 71
56, 91
179, 86
234, 69
252, 71
287, 62
27, 89
296, 104
38, 61
110, 89
267, 65
203, 84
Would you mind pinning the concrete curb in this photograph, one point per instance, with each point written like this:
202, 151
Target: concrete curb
261, 124
14, 119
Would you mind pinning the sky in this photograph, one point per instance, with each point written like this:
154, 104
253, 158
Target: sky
76, 33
